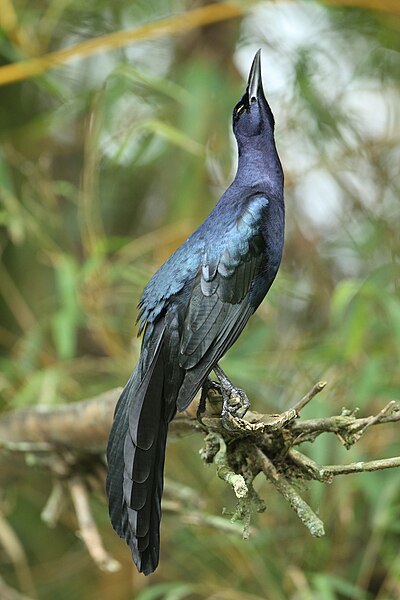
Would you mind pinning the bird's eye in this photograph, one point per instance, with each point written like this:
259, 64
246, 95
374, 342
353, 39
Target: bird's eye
239, 109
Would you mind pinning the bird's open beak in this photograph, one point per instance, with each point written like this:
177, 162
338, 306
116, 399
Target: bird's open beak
254, 84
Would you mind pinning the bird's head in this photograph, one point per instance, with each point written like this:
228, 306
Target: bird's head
252, 115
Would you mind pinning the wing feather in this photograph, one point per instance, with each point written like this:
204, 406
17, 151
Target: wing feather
220, 303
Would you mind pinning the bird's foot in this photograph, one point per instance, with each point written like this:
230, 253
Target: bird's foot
235, 402
234, 399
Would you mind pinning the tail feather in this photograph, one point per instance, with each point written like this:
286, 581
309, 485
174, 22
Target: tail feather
136, 454
114, 485
144, 505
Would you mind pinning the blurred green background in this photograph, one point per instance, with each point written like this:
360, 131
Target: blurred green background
107, 163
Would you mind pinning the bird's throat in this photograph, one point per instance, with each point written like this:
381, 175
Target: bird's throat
261, 166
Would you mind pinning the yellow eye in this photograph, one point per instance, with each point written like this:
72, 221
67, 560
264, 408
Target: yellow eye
239, 109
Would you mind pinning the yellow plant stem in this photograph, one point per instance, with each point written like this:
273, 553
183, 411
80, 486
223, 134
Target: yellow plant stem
178, 23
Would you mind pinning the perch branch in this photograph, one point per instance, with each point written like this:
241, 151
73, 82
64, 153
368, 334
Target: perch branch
70, 441
84, 425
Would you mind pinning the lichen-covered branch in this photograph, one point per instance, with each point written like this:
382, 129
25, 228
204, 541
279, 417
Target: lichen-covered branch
300, 507
70, 441
224, 472
363, 467
346, 421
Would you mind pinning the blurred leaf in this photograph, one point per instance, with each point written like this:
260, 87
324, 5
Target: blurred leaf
167, 591
344, 293
393, 306
157, 84
65, 322
174, 136
328, 585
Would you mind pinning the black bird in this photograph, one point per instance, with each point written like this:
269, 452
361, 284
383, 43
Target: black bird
191, 312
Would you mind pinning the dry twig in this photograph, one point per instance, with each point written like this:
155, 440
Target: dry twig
88, 528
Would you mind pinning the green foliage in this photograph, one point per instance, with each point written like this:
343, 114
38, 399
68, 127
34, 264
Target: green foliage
168, 591
107, 164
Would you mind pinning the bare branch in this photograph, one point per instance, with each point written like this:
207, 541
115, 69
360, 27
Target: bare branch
359, 430
78, 426
54, 505
87, 527
316, 389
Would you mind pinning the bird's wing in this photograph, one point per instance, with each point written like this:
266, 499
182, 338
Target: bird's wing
221, 299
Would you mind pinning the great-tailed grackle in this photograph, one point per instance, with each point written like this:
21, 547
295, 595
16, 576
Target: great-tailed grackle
191, 312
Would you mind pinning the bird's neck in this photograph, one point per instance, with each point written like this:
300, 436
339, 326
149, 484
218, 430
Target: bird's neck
259, 165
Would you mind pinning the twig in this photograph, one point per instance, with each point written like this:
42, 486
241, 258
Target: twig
361, 429
54, 505
87, 527
200, 519
301, 508
309, 466
15, 551
316, 389
8, 593
325, 473
336, 423
363, 467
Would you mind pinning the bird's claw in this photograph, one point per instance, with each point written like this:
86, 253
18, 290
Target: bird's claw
235, 402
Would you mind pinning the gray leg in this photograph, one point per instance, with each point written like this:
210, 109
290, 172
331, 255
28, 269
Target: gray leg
240, 404
208, 385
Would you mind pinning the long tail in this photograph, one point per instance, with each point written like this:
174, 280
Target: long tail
135, 454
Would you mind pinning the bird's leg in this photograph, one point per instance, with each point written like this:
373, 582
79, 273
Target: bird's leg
240, 404
208, 385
